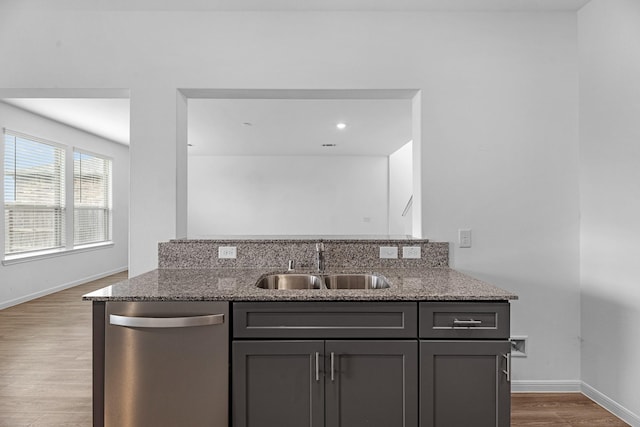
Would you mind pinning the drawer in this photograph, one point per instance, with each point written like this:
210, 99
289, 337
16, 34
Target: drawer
464, 320
325, 320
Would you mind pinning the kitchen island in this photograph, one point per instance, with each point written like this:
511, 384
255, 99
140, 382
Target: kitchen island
431, 349
414, 284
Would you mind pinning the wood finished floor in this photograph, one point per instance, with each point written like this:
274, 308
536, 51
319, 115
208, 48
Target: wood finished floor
45, 370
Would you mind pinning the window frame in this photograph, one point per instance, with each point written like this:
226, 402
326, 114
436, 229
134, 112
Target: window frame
109, 207
69, 205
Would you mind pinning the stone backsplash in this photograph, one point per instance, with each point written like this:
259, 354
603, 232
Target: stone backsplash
275, 254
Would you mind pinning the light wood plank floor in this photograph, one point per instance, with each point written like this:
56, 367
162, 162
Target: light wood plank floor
559, 410
45, 359
45, 370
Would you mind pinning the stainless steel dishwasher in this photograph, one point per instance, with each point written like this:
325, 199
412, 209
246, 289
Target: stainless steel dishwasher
166, 364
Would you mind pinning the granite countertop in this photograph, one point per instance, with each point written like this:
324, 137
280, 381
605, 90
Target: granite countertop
226, 284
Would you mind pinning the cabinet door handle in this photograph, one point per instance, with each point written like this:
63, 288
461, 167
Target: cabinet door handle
317, 366
333, 360
507, 371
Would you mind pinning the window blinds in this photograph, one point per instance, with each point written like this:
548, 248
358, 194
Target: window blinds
34, 195
92, 198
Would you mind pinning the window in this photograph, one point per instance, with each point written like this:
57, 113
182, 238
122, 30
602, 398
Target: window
34, 195
91, 198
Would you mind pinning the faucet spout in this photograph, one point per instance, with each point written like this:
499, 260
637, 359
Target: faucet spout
320, 260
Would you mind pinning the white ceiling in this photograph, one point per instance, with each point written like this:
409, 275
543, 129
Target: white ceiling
108, 118
302, 5
375, 127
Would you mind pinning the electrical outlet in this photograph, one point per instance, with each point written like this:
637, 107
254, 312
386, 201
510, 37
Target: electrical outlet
227, 252
411, 252
464, 238
388, 252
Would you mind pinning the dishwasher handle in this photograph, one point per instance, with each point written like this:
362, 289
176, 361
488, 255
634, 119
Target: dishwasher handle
166, 322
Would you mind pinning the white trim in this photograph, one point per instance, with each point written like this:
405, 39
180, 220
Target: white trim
34, 138
546, 386
3, 150
75, 149
69, 215
610, 405
116, 93
58, 288
52, 253
199, 93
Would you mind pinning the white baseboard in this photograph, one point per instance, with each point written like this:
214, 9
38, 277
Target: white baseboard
611, 405
546, 386
25, 298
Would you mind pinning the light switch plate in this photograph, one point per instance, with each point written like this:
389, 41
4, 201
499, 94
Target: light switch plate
411, 252
388, 252
227, 252
464, 238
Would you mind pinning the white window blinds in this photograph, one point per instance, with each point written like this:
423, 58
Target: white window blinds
34, 195
92, 198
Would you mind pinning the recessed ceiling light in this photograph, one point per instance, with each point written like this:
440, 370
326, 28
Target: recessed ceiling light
341, 125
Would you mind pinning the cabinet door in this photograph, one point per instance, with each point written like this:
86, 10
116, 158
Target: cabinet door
464, 383
278, 383
371, 383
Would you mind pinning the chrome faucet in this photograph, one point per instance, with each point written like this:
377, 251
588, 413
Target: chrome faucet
320, 251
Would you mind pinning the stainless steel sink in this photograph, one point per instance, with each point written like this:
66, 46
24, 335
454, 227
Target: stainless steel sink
355, 281
290, 281
325, 281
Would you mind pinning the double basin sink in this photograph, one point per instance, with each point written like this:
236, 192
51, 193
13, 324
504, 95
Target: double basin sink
322, 281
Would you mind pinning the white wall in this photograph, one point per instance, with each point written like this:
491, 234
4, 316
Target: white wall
24, 281
498, 114
610, 198
280, 195
400, 189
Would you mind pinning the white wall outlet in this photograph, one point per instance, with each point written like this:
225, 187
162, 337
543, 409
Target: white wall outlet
411, 252
388, 252
464, 238
227, 252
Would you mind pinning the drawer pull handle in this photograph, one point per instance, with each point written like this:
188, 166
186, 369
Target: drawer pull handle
317, 366
507, 371
469, 322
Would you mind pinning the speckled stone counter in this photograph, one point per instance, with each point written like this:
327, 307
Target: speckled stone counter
338, 253
418, 284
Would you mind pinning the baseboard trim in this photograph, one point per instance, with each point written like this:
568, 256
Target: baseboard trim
610, 405
25, 298
546, 386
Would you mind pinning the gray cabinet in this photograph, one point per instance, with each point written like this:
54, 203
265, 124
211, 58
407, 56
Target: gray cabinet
464, 383
464, 364
371, 383
325, 383
344, 364
277, 383
371, 364
326, 319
